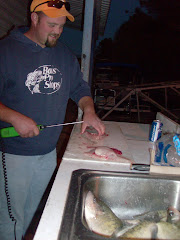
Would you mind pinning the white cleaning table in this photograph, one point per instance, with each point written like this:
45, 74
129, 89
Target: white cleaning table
130, 138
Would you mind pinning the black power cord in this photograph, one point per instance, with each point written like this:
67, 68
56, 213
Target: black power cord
6, 186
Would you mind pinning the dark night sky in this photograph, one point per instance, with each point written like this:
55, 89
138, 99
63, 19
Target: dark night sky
118, 15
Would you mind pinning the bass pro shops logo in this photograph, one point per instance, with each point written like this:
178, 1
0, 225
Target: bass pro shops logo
44, 80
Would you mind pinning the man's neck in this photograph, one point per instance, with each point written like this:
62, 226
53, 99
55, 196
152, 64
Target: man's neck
29, 34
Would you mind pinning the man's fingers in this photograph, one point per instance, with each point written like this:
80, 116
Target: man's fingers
83, 128
99, 126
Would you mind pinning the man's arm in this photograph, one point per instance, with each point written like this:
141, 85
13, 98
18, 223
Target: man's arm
25, 126
90, 118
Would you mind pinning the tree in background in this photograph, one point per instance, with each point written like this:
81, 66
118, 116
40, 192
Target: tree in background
166, 11
151, 39
148, 42
104, 49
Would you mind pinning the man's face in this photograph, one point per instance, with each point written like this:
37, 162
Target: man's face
48, 30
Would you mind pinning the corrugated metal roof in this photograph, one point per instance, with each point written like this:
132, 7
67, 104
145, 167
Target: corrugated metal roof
101, 10
14, 13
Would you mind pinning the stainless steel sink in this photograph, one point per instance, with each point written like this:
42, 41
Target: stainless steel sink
127, 194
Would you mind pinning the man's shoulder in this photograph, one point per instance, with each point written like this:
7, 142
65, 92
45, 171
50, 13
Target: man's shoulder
5, 40
5, 43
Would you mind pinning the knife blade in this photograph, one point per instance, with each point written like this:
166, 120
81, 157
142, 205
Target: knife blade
57, 125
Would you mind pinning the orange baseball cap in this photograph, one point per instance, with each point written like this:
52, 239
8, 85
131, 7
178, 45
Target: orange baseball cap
53, 12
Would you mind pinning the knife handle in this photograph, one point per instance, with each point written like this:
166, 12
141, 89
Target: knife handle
11, 132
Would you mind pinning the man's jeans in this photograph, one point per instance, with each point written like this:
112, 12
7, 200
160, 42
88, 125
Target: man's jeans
27, 177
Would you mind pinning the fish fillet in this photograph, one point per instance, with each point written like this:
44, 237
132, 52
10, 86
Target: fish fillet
107, 153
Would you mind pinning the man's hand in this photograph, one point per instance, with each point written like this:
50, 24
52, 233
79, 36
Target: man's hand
90, 118
25, 126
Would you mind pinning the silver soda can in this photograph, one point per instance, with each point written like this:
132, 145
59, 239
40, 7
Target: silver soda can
156, 130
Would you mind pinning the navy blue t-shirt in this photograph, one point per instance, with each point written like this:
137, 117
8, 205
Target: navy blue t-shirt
38, 82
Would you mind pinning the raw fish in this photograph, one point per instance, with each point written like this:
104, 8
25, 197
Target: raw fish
156, 225
107, 153
155, 216
168, 231
173, 216
92, 135
99, 217
144, 230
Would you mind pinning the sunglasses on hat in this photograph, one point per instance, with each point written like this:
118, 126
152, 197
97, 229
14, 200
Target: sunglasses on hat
56, 4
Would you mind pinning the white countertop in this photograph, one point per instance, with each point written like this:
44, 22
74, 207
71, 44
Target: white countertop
130, 138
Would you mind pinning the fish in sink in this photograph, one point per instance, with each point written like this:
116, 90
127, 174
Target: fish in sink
155, 216
173, 216
150, 230
156, 225
143, 230
99, 217
167, 231
107, 153
162, 225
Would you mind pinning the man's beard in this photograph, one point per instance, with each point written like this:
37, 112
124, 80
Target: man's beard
52, 43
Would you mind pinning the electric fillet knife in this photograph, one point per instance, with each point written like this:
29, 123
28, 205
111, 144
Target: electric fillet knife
11, 132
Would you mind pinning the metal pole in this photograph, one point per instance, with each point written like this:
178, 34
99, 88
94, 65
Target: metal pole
166, 99
158, 105
87, 43
137, 99
174, 89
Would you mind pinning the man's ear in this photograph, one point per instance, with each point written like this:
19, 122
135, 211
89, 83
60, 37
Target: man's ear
34, 18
